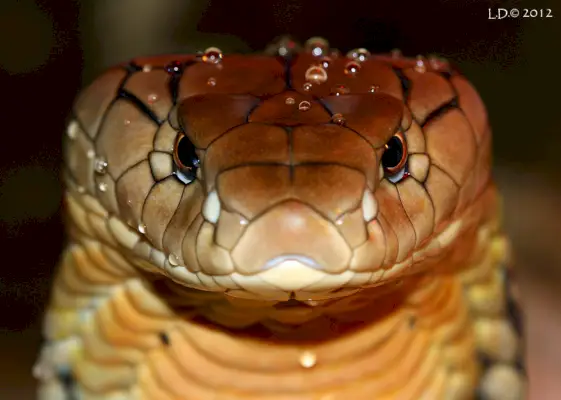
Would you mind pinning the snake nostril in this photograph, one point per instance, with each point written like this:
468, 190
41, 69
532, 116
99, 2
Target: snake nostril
211, 207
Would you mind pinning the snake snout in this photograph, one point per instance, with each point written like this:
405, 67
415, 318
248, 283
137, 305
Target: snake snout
291, 232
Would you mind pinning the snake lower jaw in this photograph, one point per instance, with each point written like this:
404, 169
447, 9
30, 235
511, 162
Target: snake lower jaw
300, 278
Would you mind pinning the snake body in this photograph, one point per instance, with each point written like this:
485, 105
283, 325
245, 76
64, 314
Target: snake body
295, 225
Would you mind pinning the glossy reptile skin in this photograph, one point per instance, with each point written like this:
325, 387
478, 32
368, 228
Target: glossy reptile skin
294, 267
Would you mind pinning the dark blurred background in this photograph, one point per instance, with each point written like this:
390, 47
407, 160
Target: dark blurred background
49, 49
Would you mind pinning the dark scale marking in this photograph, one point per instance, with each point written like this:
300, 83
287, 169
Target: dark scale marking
287, 61
132, 67
68, 381
175, 78
106, 112
164, 338
289, 137
513, 309
405, 83
143, 108
440, 111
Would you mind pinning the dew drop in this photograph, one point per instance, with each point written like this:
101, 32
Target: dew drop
420, 65
307, 86
152, 98
147, 68
90, 154
80, 189
211, 82
174, 67
304, 105
173, 259
100, 166
318, 46
359, 55
338, 90
102, 186
308, 359
339, 221
338, 119
289, 100
141, 228
374, 88
72, 130
316, 74
127, 122
212, 55
352, 68
243, 221
326, 62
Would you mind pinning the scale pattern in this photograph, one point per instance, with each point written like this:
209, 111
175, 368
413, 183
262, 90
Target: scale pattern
159, 298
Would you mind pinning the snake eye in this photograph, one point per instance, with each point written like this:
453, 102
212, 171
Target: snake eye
395, 158
186, 160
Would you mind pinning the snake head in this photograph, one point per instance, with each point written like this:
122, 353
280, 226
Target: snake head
270, 177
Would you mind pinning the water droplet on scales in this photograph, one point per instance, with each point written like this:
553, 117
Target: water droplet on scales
316, 74
142, 228
100, 166
304, 105
352, 68
308, 359
212, 55
359, 55
318, 46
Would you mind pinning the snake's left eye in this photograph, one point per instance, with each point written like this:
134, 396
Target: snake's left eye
186, 160
394, 158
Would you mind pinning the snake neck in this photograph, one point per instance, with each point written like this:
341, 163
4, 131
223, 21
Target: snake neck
294, 320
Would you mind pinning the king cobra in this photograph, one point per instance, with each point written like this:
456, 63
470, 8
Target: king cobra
292, 225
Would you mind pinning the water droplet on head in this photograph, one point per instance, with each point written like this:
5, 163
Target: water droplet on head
141, 228
289, 100
147, 68
352, 68
211, 82
212, 55
316, 74
243, 221
174, 67
127, 122
359, 55
307, 86
338, 119
80, 189
304, 105
338, 90
308, 359
90, 154
374, 88
152, 98
72, 129
102, 186
318, 46
173, 259
100, 166
325, 62
420, 65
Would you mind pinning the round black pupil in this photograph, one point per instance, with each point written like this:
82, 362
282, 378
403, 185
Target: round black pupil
186, 154
393, 154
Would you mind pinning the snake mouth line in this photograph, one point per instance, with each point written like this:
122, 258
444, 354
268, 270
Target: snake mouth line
292, 277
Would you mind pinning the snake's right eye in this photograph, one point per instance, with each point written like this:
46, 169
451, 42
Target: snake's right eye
186, 160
